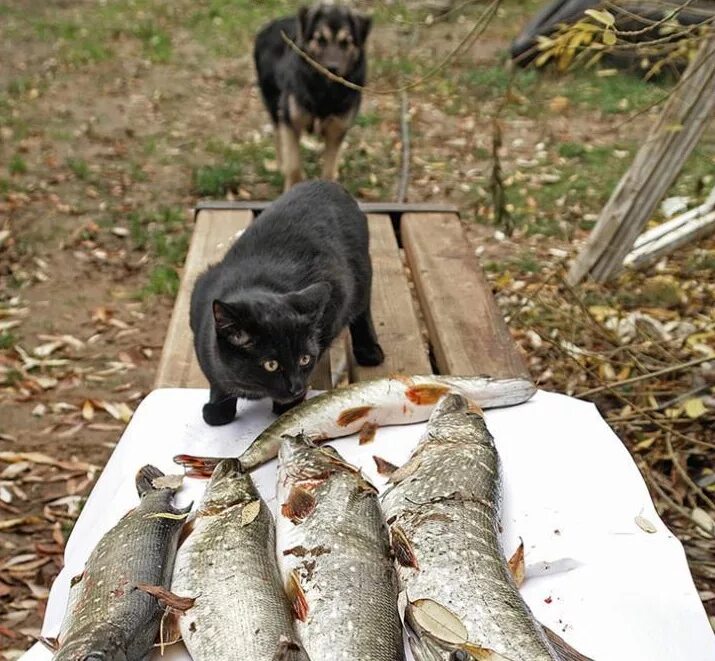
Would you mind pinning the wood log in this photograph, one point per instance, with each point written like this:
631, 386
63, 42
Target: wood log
671, 241
655, 167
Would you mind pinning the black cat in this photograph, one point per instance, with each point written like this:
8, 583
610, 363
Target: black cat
293, 280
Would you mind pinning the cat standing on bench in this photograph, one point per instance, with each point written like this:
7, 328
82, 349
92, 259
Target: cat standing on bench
264, 315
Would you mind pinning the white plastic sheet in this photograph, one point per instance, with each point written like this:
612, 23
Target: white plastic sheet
571, 491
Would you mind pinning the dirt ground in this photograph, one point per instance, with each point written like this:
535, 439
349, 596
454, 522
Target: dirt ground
115, 117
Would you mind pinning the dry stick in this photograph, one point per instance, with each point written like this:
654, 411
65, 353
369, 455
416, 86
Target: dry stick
652, 420
435, 19
650, 375
651, 25
477, 29
405, 136
684, 474
678, 508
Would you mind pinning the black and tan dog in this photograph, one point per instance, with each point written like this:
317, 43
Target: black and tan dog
301, 98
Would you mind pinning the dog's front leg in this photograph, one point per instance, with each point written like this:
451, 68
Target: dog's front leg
290, 155
334, 130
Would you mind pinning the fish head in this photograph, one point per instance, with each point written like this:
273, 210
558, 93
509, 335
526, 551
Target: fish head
301, 460
457, 418
103, 642
228, 486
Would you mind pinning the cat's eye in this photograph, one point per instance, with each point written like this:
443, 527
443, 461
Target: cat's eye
270, 365
304, 360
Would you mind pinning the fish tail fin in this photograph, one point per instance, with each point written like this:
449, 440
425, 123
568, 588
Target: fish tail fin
145, 479
199, 467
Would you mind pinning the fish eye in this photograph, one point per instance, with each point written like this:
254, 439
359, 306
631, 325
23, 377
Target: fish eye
270, 365
304, 360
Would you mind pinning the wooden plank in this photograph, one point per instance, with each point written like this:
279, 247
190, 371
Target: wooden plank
393, 310
366, 207
467, 331
214, 232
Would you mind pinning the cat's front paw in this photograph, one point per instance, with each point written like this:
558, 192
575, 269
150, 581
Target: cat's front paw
219, 413
369, 356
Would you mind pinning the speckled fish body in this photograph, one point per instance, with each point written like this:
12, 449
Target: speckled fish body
363, 407
108, 618
443, 515
333, 553
228, 564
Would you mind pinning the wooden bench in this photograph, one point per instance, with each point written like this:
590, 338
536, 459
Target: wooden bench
433, 308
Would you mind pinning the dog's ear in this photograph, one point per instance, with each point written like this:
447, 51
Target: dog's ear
361, 25
306, 17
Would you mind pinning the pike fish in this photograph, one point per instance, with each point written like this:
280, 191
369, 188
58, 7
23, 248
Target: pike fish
363, 407
459, 598
228, 564
112, 614
333, 553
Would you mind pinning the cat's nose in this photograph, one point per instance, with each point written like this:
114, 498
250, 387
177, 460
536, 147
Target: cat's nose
296, 386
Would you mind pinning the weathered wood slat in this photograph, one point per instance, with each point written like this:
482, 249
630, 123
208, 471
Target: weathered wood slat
214, 232
467, 331
393, 310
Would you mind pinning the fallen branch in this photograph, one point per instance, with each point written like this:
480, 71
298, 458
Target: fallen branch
650, 375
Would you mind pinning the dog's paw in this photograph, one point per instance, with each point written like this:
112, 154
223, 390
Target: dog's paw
220, 413
369, 356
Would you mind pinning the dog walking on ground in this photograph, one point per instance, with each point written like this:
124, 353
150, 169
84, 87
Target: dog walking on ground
301, 98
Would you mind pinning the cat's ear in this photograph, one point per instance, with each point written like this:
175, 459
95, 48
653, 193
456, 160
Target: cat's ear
311, 300
228, 325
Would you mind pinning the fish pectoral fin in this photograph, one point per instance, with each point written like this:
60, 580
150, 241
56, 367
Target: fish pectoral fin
50, 643
167, 598
516, 564
563, 649
285, 650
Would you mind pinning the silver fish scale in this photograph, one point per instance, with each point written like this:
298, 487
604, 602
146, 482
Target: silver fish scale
350, 584
447, 505
388, 404
106, 612
240, 611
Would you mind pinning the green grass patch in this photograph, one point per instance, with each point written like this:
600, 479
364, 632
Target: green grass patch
155, 41
79, 167
164, 235
7, 340
620, 93
17, 165
243, 164
163, 281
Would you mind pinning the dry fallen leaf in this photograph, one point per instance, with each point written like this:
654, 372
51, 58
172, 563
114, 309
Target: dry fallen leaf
87, 410
645, 525
703, 520
250, 512
168, 482
438, 621
166, 597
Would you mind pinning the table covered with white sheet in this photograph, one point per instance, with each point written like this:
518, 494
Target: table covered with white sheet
609, 587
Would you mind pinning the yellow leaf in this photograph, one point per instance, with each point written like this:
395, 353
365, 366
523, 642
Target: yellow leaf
609, 38
604, 16
87, 410
694, 407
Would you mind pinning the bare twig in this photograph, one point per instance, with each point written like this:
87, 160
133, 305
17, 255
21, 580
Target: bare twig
650, 375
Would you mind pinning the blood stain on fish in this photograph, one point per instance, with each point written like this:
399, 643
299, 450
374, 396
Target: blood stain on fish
426, 394
348, 416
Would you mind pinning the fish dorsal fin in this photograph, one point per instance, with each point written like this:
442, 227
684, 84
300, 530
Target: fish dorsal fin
563, 649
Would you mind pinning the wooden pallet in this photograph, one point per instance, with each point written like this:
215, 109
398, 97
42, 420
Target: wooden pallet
433, 308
